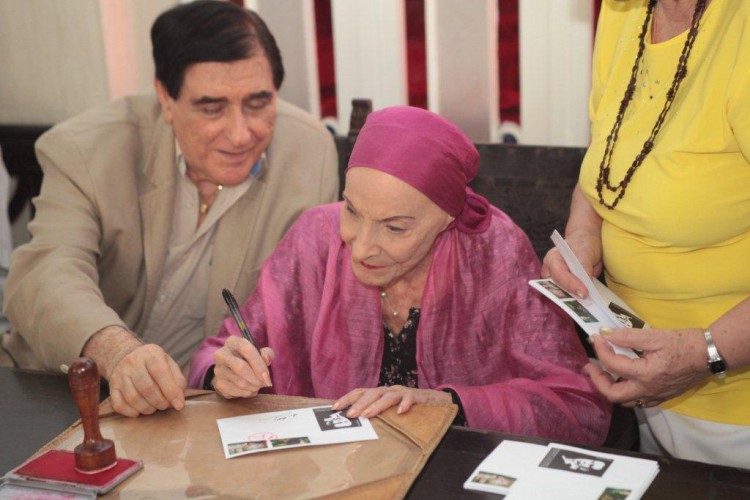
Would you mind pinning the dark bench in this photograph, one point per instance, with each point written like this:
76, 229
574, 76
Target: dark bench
17, 142
532, 184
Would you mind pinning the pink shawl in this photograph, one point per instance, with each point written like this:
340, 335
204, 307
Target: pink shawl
513, 359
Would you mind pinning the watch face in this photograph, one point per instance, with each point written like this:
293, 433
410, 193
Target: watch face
718, 366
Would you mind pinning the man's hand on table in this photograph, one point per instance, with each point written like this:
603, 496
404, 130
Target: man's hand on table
142, 377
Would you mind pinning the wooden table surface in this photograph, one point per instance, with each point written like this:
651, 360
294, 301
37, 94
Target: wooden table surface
36, 407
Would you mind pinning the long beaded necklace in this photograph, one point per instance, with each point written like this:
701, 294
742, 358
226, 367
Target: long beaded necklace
604, 167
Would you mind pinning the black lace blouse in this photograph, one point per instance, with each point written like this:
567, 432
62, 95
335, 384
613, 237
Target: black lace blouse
400, 354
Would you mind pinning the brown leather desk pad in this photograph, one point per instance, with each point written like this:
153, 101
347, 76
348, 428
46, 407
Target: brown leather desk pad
183, 456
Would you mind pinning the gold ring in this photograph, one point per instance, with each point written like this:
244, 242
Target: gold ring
639, 403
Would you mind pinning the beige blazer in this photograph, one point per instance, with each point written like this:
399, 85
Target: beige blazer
102, 224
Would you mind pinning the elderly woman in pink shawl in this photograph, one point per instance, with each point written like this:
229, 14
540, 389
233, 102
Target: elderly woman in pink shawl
412, 290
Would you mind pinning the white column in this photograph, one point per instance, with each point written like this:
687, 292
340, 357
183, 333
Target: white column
462, 71
555, 45
126, 32
370, 54
292, 24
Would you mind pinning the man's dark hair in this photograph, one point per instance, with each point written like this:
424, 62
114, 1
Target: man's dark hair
209, 31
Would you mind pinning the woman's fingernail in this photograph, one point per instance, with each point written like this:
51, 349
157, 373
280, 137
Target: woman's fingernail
605, 330
267, 380
580, 294
335, 406
590, 340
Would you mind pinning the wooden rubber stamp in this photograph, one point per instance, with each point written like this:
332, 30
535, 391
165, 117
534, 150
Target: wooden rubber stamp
93, 467
95, 454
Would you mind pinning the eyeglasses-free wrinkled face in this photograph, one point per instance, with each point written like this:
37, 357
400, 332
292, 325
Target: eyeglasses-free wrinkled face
388, 225
223, 117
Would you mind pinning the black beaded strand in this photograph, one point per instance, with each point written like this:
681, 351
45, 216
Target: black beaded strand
681, 72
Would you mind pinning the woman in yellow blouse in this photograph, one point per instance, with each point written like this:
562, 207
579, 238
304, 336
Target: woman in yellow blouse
663, 206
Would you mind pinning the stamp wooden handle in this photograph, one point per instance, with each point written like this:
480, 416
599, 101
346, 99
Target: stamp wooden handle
95, 454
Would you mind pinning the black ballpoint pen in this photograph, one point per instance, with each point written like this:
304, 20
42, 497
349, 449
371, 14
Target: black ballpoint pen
235, 310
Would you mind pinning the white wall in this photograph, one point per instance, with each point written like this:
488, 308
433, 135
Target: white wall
52, 60
126, 27
59, 58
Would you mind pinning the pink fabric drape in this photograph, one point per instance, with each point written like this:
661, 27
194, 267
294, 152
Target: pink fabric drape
513, 358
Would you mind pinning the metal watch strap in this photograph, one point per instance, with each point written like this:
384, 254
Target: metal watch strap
716, 363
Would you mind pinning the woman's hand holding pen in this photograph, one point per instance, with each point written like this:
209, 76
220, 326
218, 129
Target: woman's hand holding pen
241, 371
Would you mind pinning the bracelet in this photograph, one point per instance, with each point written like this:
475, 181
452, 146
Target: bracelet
716, 363
460, 416
208, 380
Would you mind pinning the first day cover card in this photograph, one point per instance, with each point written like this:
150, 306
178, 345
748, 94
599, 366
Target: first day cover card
291, 429
521, 470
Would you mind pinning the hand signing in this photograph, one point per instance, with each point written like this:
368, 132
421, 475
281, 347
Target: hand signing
673, 362
370, 402
145, 380
241, 371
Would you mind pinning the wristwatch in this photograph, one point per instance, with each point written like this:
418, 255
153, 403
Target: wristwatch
716, 363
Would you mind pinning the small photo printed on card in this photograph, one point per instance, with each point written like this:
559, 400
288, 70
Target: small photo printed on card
493, 479
554, 289
330, 420
614, 494
627, 318
583, 313
294, 441
573, 461
246, 446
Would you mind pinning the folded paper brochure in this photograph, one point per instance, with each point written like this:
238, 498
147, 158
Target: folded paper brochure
601, 308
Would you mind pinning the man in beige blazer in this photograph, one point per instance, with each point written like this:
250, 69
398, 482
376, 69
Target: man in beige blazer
150, 206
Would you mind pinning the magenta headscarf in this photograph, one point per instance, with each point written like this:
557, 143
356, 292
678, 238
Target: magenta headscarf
430, 154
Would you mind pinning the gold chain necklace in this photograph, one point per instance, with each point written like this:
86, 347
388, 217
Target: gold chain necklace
203, 202
603, 181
